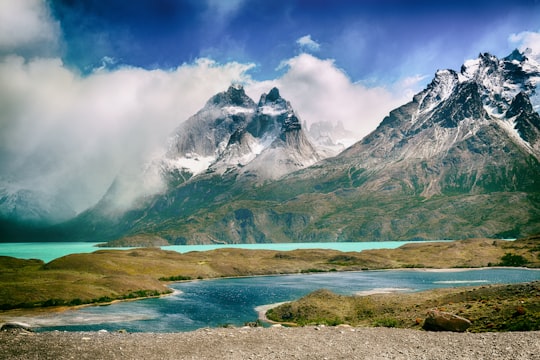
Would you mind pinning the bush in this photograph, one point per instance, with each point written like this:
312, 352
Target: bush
76, 302
386, 322
175, 278
312, 270
510, 259
53, 302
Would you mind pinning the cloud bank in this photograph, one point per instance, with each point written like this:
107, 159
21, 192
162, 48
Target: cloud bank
26, 26
319, 91
68, 134
76, 133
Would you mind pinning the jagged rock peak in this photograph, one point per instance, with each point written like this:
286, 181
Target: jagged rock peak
516, 55
235, 96
273, 95
526, 120
438, 90
500, 80
520, 104
272, 98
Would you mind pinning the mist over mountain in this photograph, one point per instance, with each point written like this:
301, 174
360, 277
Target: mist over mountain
460, 160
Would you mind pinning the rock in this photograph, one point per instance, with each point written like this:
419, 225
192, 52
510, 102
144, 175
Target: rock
15, 326
442, 321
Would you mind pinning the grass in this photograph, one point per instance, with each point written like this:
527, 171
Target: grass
490, 308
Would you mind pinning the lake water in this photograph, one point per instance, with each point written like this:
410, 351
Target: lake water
214, 303
52, 250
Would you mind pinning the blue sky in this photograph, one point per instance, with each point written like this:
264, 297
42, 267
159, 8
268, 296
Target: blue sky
372, 40
92, 88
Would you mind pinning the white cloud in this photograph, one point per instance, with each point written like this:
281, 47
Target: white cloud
63, 133
70, 135
528, 42
26, 27
319, 91
306, 42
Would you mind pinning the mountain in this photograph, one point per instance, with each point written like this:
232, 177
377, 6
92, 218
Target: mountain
230, 145
460, 160
233, 133
469, 132
25, 214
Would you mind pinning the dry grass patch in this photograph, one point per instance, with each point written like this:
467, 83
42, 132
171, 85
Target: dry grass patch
513, 307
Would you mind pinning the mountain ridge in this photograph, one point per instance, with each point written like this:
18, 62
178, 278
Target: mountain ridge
460, 160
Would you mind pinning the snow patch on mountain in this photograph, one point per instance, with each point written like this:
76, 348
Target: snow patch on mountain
193, 163
440, 90
500, 80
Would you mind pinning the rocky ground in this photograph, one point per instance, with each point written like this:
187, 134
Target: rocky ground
271, 343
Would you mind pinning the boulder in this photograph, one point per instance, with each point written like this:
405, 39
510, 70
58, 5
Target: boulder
442, 321
10, 326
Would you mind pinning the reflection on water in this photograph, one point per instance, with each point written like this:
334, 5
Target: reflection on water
213, 303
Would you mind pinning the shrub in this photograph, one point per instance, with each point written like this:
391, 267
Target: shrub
312, 270
53, 302
76, 302
386, 322
175, 278
510, 259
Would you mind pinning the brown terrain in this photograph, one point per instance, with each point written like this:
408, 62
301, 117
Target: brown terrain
30, 286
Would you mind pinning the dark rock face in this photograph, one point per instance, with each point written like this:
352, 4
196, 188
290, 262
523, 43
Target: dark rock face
443, 321
235, 95
527, 121
464, 104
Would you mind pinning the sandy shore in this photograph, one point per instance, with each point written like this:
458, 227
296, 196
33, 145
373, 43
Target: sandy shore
272, 343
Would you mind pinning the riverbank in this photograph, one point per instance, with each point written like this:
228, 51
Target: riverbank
272, 343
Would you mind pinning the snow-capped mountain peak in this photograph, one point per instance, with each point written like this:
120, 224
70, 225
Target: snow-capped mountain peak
438, 91
500, 80
231, 131
472, 124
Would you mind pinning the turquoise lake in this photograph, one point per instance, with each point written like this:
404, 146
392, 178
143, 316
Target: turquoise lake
53, 250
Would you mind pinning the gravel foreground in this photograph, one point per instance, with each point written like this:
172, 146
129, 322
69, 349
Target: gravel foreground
272, 343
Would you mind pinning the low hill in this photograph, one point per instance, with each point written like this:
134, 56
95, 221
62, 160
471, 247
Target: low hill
489, 308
